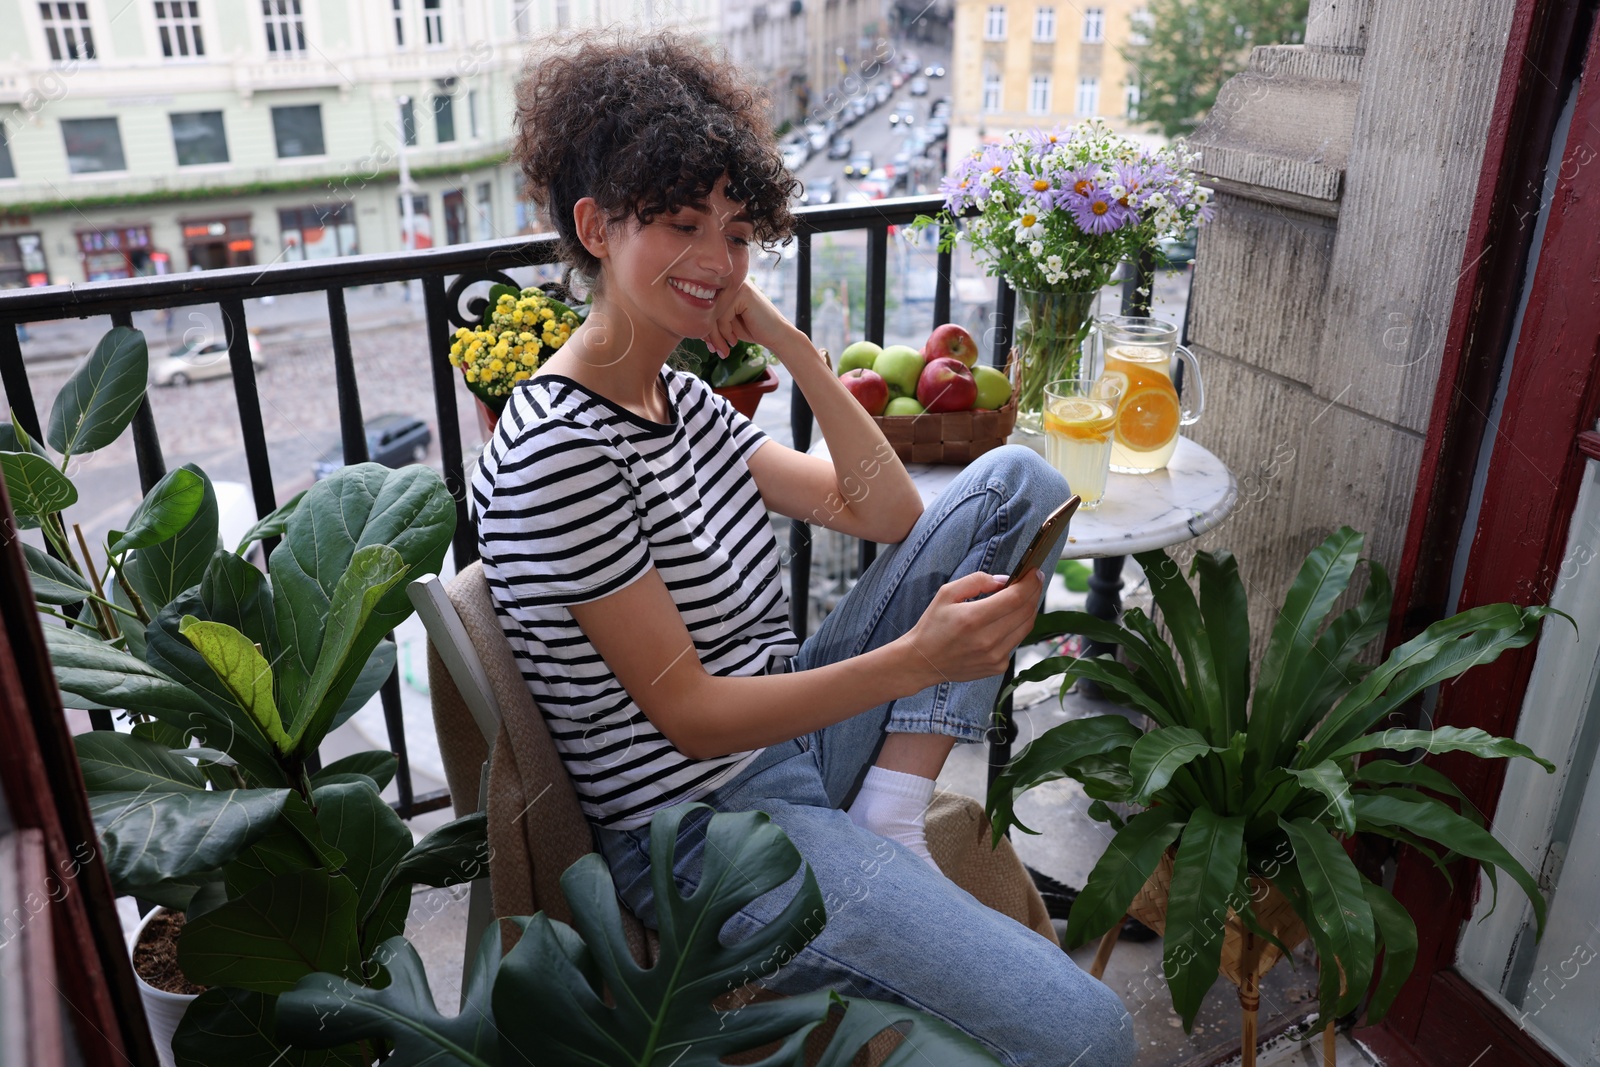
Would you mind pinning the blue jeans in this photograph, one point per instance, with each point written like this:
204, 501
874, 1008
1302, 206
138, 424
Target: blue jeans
896, 929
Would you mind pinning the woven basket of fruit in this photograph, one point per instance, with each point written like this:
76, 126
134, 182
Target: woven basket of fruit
934, 406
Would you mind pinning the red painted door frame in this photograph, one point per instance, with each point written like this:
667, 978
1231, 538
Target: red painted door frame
1541, 443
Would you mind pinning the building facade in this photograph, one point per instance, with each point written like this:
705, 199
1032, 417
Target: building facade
154, 137
768, 39
1020, 63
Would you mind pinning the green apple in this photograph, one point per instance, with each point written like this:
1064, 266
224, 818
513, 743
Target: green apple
862, 354
903, 405
901, 366
994, 388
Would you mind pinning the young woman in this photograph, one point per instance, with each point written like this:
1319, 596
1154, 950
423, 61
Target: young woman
624, 530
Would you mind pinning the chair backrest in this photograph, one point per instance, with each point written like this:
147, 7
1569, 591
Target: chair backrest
482, 710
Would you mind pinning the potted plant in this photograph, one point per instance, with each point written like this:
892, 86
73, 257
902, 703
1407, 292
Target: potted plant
546, 999
519, 330
1058, 211
744, 377
1251, 792
230, 679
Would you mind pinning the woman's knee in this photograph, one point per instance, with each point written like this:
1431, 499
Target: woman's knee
1026, 474
1079, 1021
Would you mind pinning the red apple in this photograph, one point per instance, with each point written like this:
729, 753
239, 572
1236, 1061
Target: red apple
947, 385
952, 341
868, 387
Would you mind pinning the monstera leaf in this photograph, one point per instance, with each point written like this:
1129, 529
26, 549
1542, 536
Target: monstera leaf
545, 1001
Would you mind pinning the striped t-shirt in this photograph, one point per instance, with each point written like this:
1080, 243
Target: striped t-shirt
576, 498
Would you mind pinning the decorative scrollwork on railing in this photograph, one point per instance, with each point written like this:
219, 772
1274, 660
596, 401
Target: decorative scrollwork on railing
471, 313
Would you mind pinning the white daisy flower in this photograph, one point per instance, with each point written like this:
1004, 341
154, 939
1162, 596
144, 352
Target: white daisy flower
1029, 226
1036, 248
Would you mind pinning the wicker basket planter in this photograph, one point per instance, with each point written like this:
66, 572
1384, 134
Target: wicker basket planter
950, 436
1245, 957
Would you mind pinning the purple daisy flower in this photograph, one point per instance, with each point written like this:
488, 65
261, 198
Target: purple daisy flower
995, 159
1036, 189
1079, 181
1096, 213
957, 189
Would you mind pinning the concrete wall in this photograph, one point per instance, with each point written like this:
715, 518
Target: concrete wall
1345, 170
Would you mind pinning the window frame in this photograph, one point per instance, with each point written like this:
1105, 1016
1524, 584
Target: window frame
1044, 23
289, 13
1092, 85
444, 113
122, 151
5, 153
222, 130
1035, 107
995, 18
995, 82
1094, 25
164, 19
322, 131
83, 21
433, 24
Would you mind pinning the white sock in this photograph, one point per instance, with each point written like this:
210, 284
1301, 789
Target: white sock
894, 804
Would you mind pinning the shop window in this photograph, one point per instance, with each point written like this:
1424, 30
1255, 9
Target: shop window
178, 23
455, 217
421, 224
93, 145
22, 261
298, 130
217, 243
198, 137
67, 32
321, 232
444, 119
285, 26
118, 252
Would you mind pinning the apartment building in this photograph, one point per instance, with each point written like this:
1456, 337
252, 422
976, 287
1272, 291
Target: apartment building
1041, 63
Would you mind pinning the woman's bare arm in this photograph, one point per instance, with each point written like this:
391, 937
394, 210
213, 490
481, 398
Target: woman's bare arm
642, 638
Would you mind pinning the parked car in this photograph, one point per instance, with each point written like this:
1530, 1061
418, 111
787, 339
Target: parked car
794, 157
896, 80
935, 71
903, 115
936, 130
882, 91
858, 108
919, 87
818, 135
859, 164
901, 161
877, 184
839, 147
197, 360
393, 440
940, 108
821, 190
908, 65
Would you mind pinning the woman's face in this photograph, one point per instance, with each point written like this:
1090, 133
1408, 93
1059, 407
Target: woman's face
667, 269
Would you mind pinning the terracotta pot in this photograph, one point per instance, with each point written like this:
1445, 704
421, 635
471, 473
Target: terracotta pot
164, 1010
746, 397
486, 416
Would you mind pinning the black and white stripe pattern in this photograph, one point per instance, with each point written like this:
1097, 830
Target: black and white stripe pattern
577, 497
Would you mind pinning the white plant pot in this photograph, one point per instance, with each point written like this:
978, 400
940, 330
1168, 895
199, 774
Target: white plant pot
164, 1010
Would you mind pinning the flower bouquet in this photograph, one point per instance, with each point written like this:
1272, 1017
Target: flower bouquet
1058, 210
518, 331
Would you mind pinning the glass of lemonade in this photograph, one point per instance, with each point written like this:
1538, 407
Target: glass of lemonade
1080, 415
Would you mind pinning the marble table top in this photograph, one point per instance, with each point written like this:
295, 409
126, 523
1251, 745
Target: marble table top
1139, 512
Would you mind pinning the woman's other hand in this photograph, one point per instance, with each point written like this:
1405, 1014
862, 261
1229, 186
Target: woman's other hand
964, 639
746, 314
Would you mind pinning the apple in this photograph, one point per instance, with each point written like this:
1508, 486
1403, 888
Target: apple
901, 366
903, 405
994, 388
868, 387
946, 385
953, 341
860, 354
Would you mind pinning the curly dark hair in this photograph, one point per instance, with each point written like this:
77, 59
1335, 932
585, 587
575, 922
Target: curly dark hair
644, 124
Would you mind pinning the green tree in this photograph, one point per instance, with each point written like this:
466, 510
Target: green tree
1193, 46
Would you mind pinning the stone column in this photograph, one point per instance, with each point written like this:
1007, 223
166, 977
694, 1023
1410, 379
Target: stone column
1344, 169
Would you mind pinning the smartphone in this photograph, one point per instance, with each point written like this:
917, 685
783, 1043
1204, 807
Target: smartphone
1052, 528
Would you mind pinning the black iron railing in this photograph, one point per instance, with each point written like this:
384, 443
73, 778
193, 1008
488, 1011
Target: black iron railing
446, 274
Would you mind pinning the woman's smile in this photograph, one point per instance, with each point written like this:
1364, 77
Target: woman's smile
698, 295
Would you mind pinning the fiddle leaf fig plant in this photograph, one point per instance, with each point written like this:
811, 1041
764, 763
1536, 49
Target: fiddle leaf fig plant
1265, 783
546, 1000
228, 679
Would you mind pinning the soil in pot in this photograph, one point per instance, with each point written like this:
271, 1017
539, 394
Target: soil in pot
155, 956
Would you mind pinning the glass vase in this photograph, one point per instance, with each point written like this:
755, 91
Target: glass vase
1047, 345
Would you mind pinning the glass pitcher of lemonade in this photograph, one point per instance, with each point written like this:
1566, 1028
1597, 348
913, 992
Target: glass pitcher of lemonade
1150, 414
